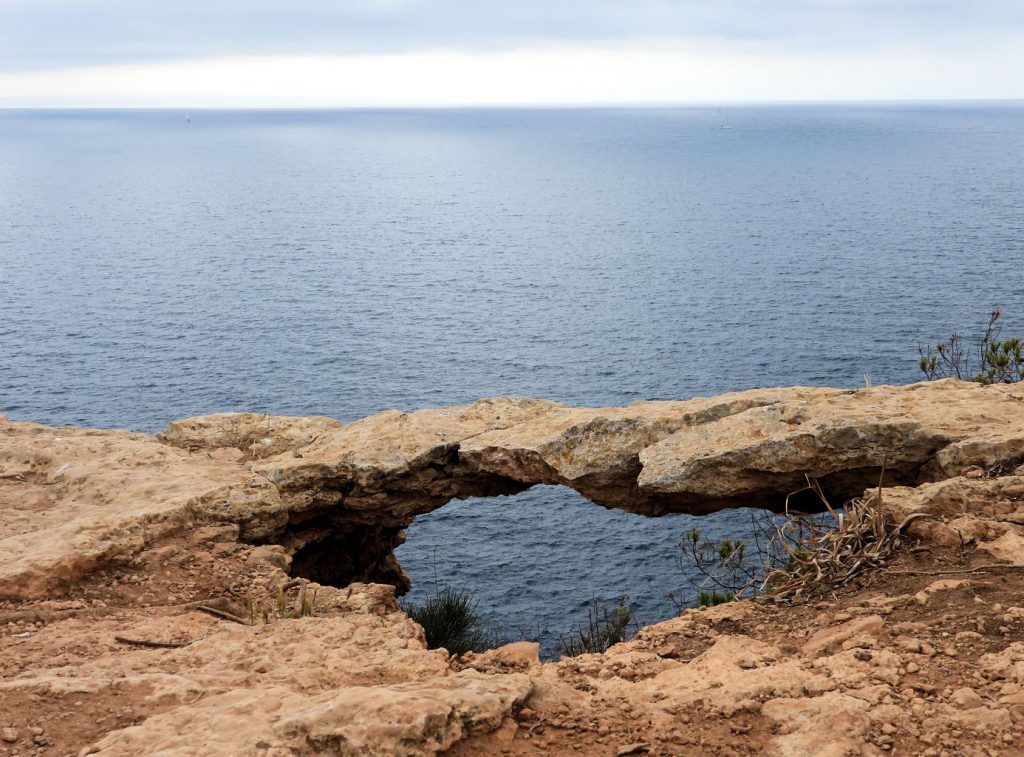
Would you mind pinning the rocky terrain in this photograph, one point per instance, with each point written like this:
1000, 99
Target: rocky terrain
228, 587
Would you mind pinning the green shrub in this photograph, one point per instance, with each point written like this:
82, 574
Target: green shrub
712, 598
450, 620
991, 361
604, 628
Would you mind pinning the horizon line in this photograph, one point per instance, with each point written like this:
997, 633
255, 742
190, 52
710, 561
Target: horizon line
652, 104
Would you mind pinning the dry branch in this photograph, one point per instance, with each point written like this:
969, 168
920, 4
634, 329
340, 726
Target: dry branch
152, 644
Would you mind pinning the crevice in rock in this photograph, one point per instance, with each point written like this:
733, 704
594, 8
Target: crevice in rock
356, 554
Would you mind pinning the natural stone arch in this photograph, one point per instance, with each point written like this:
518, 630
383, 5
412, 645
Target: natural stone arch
352, 488
347, 492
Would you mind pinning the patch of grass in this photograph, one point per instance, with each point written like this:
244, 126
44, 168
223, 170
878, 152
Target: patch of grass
605, 627
283, 608
450, 620
712, 598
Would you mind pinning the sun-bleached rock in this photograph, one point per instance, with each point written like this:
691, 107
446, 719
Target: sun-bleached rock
597, 451
1008, 547
338, 496
830, 638
956, 496
252, 434
832, 725
73, 499
116, 546
839, 438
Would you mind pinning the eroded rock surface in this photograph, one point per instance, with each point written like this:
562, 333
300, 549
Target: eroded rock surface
72, 499
908, 661
920, 432
338, 497
114, 543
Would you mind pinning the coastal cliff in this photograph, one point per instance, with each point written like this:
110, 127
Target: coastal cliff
113, 542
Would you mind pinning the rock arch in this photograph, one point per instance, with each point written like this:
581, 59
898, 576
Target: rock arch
347, 492
337, 497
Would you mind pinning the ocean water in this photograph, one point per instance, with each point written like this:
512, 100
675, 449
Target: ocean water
342, 263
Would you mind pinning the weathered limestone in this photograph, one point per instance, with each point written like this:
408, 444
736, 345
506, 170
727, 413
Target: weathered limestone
110, 541
337, 497
250, 434
919, 432
72, 499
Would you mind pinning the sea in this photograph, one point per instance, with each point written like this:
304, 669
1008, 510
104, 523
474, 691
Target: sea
345, 262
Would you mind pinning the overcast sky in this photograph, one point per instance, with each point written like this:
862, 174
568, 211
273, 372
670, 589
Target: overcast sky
403, 52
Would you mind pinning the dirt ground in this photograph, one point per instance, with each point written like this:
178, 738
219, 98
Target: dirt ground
939, 633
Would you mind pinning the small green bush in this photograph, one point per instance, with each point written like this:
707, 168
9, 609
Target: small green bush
604, 628
450, 620
712, 598
991, 361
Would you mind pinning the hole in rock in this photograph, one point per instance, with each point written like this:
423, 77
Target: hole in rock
534, 561
338, 556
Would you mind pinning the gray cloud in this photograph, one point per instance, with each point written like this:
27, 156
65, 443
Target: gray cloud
43, 34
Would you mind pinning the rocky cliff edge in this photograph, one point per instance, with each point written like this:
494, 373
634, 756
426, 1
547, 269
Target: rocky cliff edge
149, 583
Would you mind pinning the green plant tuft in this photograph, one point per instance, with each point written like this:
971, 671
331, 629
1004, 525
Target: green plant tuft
604, 628
712, 598
450, 620
991, 361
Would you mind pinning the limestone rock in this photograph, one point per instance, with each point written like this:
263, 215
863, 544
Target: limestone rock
1008, 547
832, 725
337, 497
517, 655
966, 698
73, 499
597, 451
836, 437
113, 540
829, 638
252, 434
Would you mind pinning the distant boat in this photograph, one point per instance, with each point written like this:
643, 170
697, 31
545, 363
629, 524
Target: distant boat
725, 126
188, 119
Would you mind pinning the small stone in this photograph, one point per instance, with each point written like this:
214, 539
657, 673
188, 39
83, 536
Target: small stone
10, 735
913, 667
966, 698
637, 748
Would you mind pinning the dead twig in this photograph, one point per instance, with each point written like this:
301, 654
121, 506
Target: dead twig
952, 571
152, 644
863, 538
221, 614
